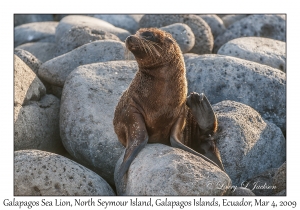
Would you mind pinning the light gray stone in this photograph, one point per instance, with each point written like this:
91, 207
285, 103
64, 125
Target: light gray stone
268, 26
248, 144
183, 35
43, 51
26, 18
27, 85
230, 19
128, 22
36, 125
265, 51
31, 61
90, 95
94, 23
242, 191
32, 32
56, 70
279, 179
47, 174
222, 77
215, 23
203, 36
80, 35
161, 170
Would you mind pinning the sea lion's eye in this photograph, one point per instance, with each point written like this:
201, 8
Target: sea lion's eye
148, 35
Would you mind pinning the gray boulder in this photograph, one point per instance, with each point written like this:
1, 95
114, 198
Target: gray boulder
203, 36
56, 70
36, 125
215, 23
128, 22
27, 86
265, 51
94, 23
26, 18
80, 35
90, 95
269, 26
43, 51
43, 173
183, 35
32, 32
248, 144
230, 19
31, 61
161, 170
227, 78
279, 180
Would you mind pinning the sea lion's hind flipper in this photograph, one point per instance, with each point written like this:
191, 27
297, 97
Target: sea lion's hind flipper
202, 112
175, 142
137, 139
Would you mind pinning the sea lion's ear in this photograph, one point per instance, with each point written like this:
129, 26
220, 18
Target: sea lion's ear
168, 39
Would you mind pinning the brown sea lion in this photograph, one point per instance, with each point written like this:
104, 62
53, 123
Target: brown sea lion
155, 107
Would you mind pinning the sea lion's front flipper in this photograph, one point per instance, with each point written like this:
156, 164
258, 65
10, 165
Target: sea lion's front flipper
202, 112
175, 142
204, 115
137, 139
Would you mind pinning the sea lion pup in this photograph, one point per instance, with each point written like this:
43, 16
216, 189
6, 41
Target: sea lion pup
155, 107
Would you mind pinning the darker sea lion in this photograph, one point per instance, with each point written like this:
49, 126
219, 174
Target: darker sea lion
155, 107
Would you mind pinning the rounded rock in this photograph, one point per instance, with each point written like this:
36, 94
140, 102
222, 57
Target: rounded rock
248, 144
55, 71
161, 170
43, 51
230, 19
32, 32
94, 23
268, 26
279, 179
201, 30
222, 77
215, 23
183, 35
80, 35
22, 19
47, 174
31, 61
90, 95
265, 51
242, 191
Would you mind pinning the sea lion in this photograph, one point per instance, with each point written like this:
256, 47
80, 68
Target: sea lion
155, 107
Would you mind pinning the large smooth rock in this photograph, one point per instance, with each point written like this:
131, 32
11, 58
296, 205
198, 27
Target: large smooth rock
94, 23
44, 51
88, 102
230, 19
215, 23
265, 51
268, 26
128, 22
56, 70
27, 86
31, 61
248, 144
43, 173
183, 35
227, 78
80, 35
279, 179
26, 18
32, 32
242, 191
36, 126
201, 30
163, 171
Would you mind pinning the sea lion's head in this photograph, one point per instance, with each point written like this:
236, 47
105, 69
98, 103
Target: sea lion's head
153, 47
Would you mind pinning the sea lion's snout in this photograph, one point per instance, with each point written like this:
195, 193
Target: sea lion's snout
129, 42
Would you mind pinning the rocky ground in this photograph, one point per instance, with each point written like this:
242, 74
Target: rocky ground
70, 70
